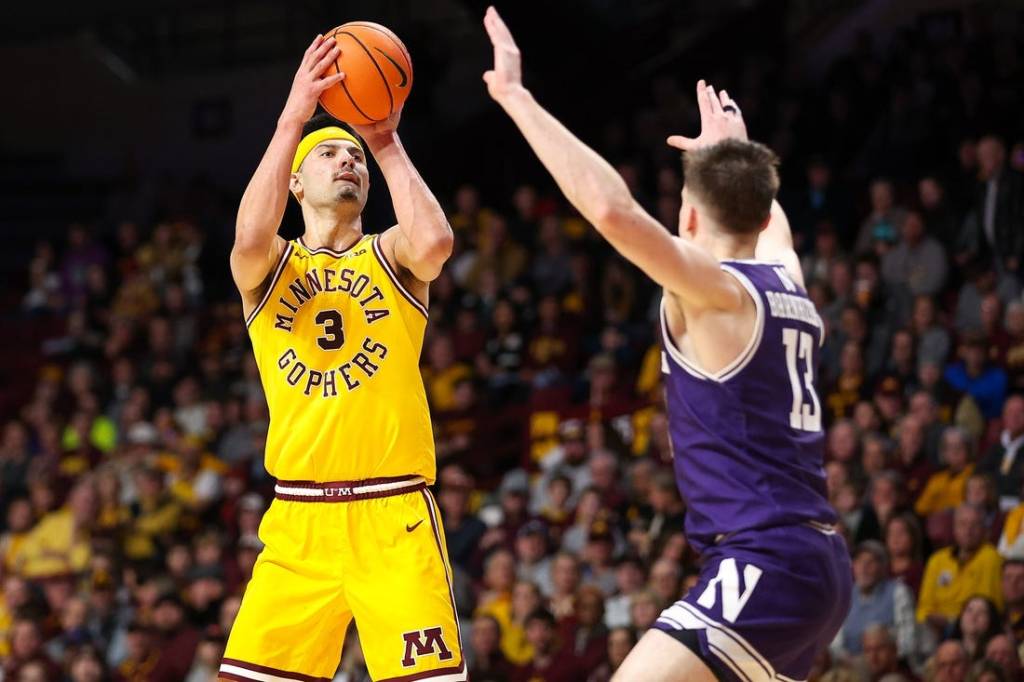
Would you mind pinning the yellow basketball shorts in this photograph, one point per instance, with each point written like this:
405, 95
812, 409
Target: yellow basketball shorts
370, 550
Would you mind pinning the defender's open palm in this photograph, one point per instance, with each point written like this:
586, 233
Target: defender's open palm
506, 76
720, 119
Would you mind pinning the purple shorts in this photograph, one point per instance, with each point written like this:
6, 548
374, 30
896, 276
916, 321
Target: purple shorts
767, 602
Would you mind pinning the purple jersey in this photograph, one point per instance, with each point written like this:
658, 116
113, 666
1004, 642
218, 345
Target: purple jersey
748, 441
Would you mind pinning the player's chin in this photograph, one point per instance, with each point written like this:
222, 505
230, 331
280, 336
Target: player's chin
348, 194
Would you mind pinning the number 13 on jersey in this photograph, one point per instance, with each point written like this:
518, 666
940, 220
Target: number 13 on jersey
799, 347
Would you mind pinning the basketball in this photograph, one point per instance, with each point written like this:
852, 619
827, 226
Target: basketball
378, 74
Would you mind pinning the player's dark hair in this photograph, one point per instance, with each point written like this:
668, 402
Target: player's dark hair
321, 119
736, 181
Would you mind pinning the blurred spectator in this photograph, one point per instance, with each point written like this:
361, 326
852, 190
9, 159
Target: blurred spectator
973, 375
462, 529
918, 261
586, 630
977, 624
1002, 461
552, 660
567, 459
992, 228
905, 545
26, 649
620, 641
1014, 324
950, 663
668, 515
881, 656
176, 639
1013, 596
534, 564
877, 600
933, 341
939, 216
629, 580
1001, 651
564, 582
882, 223
945, 489
644, 609
443, 373
60, 542
486, 662
954, 574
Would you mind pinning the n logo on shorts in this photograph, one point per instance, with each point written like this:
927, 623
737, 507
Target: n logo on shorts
728, 577
424, 643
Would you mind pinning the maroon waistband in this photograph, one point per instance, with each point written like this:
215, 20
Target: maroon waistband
347, 491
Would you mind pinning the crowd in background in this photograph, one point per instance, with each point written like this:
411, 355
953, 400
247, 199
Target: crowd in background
131, 476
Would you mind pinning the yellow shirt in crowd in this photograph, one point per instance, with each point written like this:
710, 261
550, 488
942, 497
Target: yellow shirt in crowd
948, 584
944, 490
53, 547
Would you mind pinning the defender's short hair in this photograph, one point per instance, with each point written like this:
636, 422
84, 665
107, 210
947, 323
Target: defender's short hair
736, 181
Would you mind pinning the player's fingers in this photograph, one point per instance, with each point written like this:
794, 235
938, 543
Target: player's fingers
497, 29
330, 81
319, 48
313, 45
323, 49
716, 106
326, 60
728, 103
702, 100
680, 142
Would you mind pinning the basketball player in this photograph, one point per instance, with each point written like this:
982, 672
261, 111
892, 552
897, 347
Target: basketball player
741, 342
336, 319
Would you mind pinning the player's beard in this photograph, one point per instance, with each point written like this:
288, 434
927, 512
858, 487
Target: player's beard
348, 193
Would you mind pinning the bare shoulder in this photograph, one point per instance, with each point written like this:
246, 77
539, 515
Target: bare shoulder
268, 267
387, 242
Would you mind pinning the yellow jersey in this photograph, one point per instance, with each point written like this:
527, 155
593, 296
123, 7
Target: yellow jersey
337, 340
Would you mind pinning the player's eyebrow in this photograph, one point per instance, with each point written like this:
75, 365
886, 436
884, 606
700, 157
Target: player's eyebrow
337, 145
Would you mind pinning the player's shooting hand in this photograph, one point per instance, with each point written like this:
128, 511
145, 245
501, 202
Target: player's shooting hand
720, 119
380, 133
506, 76
310, 80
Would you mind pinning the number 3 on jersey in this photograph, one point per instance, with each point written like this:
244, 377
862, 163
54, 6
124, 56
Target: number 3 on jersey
799, 346
334, 330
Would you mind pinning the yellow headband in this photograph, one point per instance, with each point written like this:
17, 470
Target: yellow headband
316, 137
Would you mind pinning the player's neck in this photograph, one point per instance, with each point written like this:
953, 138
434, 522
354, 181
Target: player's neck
331, 228
728, 248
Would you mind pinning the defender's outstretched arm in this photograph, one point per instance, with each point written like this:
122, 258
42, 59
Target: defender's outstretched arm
600, 193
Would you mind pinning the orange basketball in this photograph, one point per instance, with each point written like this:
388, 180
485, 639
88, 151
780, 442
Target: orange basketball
378, 74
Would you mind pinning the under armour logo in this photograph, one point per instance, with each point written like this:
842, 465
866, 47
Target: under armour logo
424, 643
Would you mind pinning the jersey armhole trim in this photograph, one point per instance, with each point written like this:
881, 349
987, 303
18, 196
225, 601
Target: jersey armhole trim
741, 360
273, 282
393, 276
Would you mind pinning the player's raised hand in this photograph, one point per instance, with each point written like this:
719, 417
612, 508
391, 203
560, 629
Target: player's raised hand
506, 76
720, 119
380, 128
310, 80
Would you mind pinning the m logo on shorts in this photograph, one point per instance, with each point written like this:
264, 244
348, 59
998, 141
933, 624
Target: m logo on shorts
424, 643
